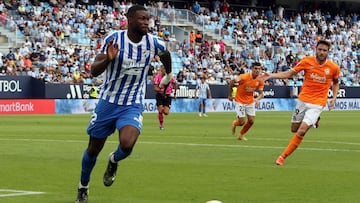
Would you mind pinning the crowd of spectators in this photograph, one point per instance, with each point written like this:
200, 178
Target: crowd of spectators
53, 31
268, 36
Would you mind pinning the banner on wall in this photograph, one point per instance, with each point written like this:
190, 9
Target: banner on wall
64, 106
21, 87
26, 87
83, 106
27, 106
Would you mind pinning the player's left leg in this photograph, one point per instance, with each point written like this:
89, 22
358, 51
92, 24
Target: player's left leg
246, 127
161, 116
311, 115
204, 107
129, 126
250, 112
127, 136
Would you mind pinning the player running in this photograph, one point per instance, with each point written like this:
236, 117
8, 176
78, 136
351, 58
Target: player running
320, 73
245, 102
163, 95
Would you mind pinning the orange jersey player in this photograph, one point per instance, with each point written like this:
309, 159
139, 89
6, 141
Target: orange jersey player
245, 102
320, 74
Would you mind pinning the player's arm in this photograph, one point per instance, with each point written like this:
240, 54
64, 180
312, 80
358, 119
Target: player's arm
99, 65
335, 88
196, 91
231, 85
165, 58
260, 96
175, 86
157, 88
102, 60
280, 75
209, 92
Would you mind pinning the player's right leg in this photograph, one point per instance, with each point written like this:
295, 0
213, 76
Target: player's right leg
88, 162
240, 113
101, 125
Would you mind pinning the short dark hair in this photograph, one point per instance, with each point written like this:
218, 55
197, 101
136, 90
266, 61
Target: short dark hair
256, 63
324, 42
132, 10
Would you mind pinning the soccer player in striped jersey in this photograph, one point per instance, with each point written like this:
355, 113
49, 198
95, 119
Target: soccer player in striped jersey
124, 61
320, 74
202, 92
245, 102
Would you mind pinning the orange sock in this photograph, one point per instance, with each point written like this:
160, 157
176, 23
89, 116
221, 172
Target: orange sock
293, 144
246, 127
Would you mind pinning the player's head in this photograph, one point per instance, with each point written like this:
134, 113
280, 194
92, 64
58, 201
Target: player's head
256, 69
322, 50
138, 19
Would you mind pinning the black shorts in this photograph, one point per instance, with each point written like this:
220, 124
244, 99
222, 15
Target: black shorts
164, 100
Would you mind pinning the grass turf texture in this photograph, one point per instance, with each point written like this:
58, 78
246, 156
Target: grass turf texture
193, 160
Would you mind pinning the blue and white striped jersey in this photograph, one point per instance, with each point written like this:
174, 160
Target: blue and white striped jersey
125, 77
202, 90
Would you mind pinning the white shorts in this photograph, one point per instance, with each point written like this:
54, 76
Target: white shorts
306, 112
244, 109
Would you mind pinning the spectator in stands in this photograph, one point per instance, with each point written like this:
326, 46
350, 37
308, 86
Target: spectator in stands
27, 61
216, 6
225, 7
10, 54
3, 70
192, 37
297, 32
198, 38
195, 7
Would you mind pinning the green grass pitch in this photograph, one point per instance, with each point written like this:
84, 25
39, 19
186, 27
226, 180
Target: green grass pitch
193, 160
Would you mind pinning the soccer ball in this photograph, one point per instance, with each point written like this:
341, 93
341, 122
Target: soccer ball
214, 201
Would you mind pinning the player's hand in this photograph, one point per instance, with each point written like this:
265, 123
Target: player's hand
257, 103
112, 50
230, 98
332, 104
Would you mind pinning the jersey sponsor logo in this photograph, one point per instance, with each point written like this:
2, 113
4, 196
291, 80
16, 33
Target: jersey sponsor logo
317, 78
250, 89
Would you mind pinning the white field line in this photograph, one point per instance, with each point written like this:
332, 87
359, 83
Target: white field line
240, 145
11, 193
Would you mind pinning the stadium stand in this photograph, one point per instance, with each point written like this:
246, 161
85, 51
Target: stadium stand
62, 39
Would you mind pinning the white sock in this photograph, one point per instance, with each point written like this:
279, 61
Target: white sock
112, 158
82, 186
